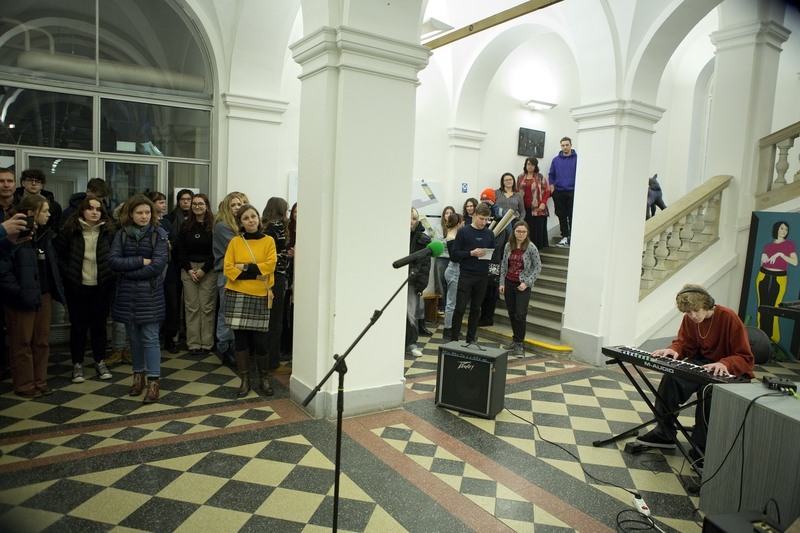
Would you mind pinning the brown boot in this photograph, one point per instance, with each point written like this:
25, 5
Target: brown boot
125, 354
139, 382
263, 371
153, 390
243, 365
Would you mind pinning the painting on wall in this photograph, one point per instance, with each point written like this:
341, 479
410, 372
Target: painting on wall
531, 143
771, 287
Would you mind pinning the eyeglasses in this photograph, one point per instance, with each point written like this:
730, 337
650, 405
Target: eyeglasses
33, 180
520, 231
201, 204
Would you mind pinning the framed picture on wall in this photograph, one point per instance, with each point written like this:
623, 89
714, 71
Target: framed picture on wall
531, 143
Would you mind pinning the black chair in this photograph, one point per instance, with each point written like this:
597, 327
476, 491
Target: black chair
760, 345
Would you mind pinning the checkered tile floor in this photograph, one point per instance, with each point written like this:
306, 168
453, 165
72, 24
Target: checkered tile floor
89, 458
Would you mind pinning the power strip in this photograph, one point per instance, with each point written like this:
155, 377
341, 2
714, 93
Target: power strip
779, 384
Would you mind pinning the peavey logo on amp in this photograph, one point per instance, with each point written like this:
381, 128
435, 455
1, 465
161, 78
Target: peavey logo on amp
466, 365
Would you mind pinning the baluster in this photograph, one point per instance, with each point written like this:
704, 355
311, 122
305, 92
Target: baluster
648, 262
783, 161
687, 234
674, 242
662, 253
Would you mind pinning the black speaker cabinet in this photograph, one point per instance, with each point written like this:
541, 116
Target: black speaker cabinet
471, 379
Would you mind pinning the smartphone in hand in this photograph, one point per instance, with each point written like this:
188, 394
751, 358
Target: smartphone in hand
28, 228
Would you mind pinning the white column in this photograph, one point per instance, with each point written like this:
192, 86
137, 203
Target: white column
465, 155
610, 199
254, 131
354, 199
748, 47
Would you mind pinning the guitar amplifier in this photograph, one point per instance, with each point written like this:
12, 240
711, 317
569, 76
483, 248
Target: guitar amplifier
471, 379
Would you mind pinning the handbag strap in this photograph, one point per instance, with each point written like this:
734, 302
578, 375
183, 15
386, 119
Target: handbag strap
266, 283
249, 249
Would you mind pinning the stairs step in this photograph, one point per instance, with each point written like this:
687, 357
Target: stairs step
538, 344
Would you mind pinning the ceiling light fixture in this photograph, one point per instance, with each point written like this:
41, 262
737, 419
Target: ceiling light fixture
536, 105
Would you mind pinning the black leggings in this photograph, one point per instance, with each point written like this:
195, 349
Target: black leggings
246, 338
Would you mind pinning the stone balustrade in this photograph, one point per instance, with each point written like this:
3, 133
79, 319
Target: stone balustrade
678, 234
776, 161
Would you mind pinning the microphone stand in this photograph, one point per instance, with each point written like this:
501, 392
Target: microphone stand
341, 367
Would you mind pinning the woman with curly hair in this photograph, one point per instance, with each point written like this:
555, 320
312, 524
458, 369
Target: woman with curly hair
82, 248
196, 260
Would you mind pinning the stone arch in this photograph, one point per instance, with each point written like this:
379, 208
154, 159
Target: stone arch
661, 41
470, 96
258, 52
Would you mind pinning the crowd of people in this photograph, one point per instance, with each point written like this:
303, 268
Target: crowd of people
224, 280
491, 249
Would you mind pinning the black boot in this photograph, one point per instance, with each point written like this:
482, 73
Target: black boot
263, 371
421, 329
243, 366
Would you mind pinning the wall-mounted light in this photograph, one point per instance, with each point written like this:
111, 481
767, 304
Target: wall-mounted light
536, 105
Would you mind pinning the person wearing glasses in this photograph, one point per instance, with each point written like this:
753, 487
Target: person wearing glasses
196, 259
32, 182
519, 269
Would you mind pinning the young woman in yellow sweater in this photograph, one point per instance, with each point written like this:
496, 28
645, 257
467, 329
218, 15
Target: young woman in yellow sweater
249, 267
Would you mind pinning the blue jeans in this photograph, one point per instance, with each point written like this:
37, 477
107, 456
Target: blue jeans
225, 336
145, 348
451, 281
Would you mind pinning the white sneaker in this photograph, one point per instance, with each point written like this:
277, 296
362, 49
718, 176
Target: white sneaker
563, 242
77, 373
414, 352
102, 370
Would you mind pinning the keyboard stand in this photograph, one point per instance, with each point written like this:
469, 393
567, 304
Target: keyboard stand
634, 431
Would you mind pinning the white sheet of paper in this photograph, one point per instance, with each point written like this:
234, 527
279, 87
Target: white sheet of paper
488, 254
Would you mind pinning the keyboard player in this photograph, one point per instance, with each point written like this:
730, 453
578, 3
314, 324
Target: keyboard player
710, 335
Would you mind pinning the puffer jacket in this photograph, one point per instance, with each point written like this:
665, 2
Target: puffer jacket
419, 270
139, 296
19, 274
70, 247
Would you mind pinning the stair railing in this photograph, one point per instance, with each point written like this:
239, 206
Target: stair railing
675, 236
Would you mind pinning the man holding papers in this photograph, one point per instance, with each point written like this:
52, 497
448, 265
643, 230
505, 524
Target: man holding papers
472, 244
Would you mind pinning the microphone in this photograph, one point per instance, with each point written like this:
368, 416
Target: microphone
433, 249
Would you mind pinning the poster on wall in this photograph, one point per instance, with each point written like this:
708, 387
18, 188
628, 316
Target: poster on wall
771, 286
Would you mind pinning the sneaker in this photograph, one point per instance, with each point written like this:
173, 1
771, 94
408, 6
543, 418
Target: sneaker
563, 242
77, 373
510, 345
654, 440
519, 351
102, 370
414, 352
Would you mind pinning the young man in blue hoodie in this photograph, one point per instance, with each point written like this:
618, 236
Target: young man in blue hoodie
562, 187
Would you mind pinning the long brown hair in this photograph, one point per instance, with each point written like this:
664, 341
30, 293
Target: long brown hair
72, 224
513, 241
208, 219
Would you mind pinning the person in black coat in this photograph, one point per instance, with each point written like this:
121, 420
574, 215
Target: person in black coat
32, 182
418, 272
83, 247
29, 280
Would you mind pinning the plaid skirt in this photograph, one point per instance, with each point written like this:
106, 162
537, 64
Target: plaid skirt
247, 312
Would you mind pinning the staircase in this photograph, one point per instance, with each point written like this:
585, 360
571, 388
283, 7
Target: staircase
545, 309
